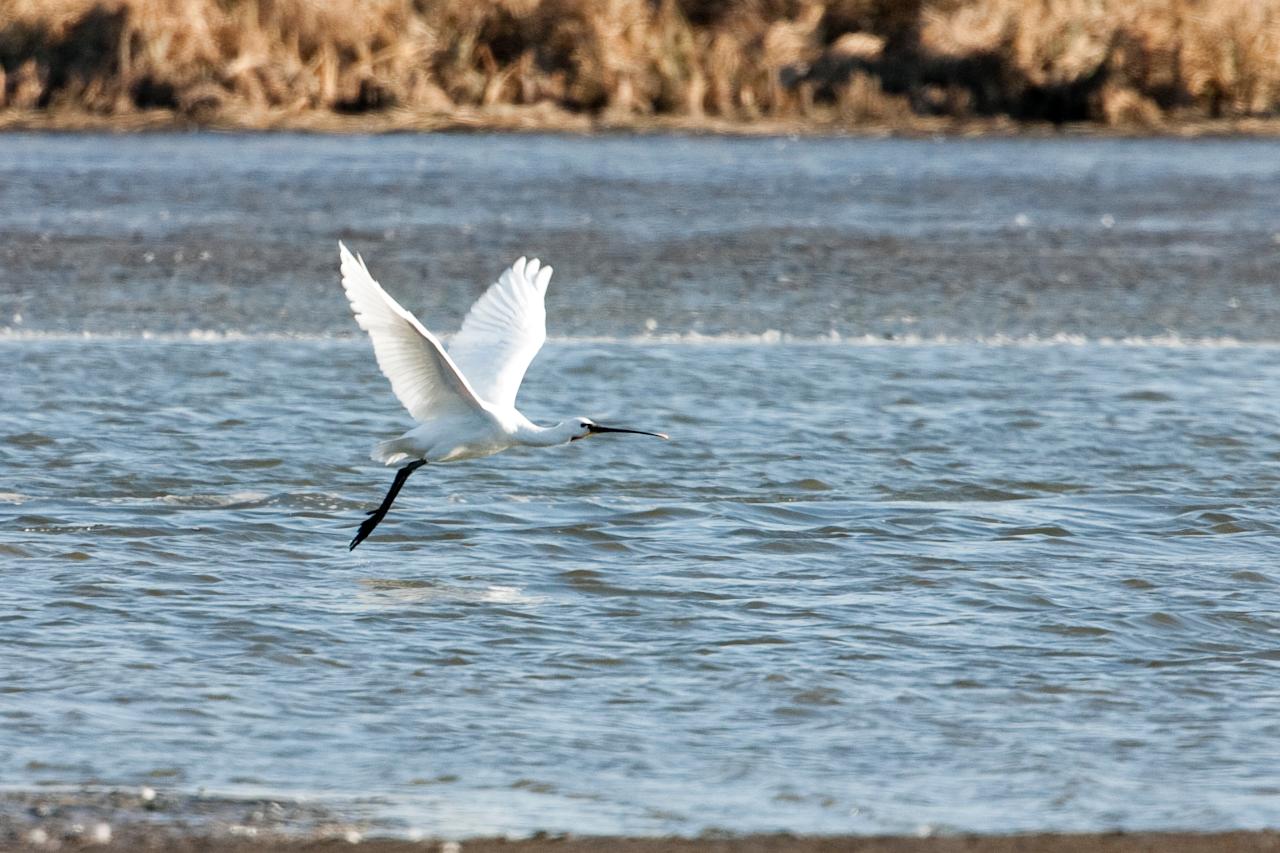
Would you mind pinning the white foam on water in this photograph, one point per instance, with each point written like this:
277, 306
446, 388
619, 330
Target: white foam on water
210, 500
215, 336
379, 593
773, 337
769, 337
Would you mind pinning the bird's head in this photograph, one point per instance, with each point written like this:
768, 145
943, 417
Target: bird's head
584, 427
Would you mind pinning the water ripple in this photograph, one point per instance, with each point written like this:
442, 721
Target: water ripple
1036, 620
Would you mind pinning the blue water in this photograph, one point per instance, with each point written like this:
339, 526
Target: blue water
941, 540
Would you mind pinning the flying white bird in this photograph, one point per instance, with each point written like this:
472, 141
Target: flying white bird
464, 400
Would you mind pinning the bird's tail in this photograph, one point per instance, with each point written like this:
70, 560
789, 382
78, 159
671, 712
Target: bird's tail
391, 452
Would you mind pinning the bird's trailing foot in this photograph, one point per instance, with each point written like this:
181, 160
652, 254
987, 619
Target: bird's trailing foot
376, 515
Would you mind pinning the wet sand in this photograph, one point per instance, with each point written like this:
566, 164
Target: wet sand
117, 819
1113, 842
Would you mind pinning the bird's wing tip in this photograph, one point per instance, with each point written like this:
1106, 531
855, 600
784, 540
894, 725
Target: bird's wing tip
346, 256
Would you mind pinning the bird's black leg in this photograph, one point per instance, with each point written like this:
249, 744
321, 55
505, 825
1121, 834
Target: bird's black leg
376, 515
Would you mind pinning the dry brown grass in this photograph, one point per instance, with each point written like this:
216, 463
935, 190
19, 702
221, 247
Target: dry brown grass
841, 63
1123, 61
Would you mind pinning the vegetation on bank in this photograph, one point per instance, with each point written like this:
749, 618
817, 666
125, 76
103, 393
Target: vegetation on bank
831, 64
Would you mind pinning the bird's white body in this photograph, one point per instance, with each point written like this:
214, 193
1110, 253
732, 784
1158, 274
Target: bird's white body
464, 399
454, 438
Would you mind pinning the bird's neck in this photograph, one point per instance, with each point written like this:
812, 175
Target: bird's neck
537, 436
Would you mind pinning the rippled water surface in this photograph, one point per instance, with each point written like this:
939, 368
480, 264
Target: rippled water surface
968, 519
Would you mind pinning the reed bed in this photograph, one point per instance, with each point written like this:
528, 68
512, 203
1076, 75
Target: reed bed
586, 63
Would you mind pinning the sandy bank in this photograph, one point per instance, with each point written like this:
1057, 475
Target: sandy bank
1116, 842
540, 120
107, 820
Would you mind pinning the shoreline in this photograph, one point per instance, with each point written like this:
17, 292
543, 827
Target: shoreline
559, 122
1235, 841
130, 819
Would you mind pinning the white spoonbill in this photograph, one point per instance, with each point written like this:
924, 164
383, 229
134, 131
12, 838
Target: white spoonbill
464, 400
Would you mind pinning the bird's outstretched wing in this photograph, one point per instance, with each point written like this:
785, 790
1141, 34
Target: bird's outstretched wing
503, 331
422, 375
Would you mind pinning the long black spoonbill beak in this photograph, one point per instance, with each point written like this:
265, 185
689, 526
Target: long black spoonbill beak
595, 428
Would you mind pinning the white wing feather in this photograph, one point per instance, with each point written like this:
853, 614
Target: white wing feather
503, 331
422, 375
